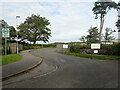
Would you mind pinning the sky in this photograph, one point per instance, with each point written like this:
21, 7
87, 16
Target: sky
69, 19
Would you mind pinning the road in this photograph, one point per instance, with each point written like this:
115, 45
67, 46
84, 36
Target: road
64, 71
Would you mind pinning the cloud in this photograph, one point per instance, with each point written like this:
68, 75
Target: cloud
69, 20
55, 0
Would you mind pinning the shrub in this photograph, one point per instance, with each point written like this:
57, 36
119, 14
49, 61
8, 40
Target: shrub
46, 45
106, 49
27, 46
116, 49
2, 50
113, 49
77, 48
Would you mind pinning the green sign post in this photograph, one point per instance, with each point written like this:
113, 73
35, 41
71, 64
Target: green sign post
5, 34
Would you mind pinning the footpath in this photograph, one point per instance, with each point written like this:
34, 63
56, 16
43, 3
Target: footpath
27, 63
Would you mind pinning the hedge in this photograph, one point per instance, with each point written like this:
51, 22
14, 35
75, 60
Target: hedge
106, 49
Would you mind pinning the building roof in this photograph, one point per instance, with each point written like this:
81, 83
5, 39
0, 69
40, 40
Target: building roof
115, 40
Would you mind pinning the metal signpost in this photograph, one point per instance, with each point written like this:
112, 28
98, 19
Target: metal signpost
5, 34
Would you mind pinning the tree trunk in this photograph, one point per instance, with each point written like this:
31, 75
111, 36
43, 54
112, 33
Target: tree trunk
34, 42
101, 27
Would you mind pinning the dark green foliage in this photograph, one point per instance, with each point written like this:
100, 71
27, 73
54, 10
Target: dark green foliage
12, 33
116, 49
108, 33
118, 24
93, 35
101, 9
83, 38
35, 29
11, 39
48, 45
106, 49
76, 48
3, 51
27, 46
113, 49
3, 24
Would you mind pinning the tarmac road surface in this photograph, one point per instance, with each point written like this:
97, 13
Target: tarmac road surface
64, 71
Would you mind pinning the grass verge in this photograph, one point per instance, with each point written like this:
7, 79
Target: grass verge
10, 58
103, 57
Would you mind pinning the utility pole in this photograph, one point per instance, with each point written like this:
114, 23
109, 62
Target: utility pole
17, 33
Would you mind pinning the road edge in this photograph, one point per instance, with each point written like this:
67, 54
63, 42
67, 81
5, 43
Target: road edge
23, 71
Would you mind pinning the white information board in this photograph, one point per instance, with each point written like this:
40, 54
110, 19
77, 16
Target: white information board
95, 51
5, 32
95, 46
65, 46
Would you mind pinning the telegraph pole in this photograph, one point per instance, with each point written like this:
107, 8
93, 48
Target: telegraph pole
17, 34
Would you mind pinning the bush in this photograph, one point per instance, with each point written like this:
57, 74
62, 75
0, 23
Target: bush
116, 49
27, 46
3, 51
106, 49
113, 49
77, 48
46, 45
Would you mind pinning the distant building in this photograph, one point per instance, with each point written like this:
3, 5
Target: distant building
111, 41
104, 42
115, 41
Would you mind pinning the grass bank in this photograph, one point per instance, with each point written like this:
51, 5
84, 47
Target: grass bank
103, 57
10, 58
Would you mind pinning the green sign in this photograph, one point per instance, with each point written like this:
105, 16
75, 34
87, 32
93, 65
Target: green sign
5, 32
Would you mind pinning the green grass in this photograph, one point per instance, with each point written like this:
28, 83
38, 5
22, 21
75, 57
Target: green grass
104, 57
10, 58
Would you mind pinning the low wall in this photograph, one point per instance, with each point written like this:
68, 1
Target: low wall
12, 48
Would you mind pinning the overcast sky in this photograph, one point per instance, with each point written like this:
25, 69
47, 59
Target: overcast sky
69, 20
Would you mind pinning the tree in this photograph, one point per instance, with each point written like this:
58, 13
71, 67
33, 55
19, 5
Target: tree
107, 35
93, 35
101, 8
3, 24
12, 33
118, 24
35, 29
83, 38
118, 21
